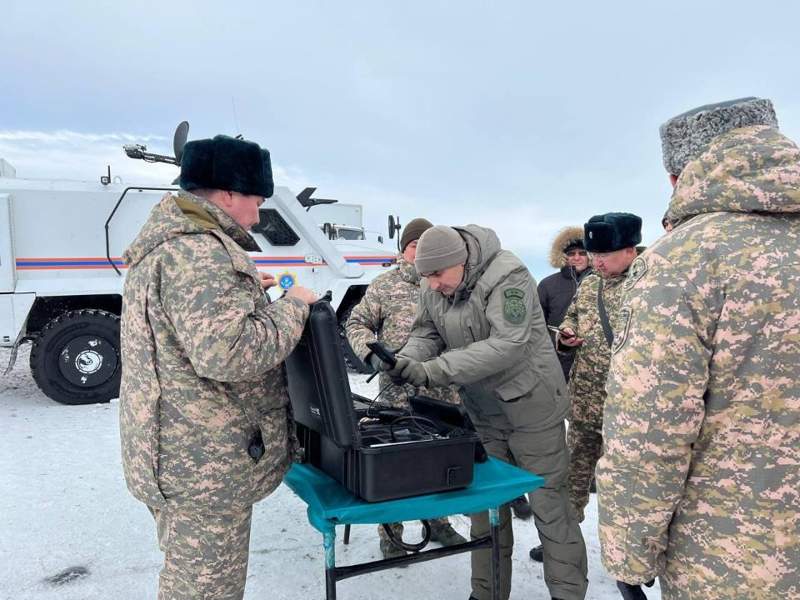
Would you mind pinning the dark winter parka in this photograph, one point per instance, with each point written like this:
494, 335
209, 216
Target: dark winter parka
556, 291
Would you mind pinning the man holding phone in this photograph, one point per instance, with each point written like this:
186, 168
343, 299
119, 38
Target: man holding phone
588, 329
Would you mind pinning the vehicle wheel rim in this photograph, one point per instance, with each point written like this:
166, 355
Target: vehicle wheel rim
88, 361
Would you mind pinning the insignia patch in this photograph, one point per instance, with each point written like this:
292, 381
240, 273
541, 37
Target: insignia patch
514, 306
286, 280
621, 337
636, 271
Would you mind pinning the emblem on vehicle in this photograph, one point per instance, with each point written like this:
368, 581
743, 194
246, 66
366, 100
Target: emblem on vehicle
286, 280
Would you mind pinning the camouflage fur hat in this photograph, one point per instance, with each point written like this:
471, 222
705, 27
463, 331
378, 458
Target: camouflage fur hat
612, 231
685, 137
566, 239
225, 163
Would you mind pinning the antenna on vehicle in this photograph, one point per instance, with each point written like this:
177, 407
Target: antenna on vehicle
106, 179
236, 119
139, 151
306, 201
179, 141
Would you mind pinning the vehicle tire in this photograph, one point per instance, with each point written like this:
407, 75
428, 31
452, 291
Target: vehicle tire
352, 361
75, 359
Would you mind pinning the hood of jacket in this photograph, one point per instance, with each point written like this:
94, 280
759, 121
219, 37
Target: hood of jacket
482, 246
182, 214
747, 170
562, 239
408, 272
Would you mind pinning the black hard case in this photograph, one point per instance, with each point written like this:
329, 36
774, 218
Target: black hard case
369, 465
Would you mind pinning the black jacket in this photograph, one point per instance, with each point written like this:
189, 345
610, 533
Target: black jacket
556, 291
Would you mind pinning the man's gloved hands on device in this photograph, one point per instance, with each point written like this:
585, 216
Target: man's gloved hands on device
406, 370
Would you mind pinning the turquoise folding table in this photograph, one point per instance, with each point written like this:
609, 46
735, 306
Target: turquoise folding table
330, 504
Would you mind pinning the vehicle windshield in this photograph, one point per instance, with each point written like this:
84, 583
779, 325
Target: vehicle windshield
344, 233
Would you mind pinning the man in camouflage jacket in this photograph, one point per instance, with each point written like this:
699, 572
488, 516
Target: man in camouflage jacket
612, 240
386, 313
700, 480
204, 420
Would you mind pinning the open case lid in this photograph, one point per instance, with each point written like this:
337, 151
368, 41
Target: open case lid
319, 388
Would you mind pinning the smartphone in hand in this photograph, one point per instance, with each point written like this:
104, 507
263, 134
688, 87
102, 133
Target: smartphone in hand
559, 331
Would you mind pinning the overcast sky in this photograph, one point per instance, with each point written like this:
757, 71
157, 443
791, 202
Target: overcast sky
520, 116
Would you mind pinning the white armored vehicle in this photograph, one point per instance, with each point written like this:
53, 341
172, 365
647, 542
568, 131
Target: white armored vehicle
61, 271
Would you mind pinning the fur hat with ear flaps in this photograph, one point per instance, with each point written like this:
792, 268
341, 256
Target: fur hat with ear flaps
225, 163
612, 231
567, 238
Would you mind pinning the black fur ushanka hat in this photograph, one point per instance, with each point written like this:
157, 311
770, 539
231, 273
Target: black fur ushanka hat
612, 231
225, 163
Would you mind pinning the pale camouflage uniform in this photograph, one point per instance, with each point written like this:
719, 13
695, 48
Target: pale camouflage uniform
202, 350
700, 480
386, 313
587, 381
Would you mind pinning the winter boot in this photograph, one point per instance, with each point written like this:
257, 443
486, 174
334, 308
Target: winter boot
443, 533
389, 550
522, 508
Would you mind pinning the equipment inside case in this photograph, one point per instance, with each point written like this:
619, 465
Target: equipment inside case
376, 452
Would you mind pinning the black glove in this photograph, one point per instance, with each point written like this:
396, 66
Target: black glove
408, 370
633, 592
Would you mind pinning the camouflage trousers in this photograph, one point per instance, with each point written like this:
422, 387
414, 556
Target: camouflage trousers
205, 553
585, 442
397, 528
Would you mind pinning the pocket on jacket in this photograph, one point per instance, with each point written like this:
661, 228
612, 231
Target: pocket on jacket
539, 409
518, 385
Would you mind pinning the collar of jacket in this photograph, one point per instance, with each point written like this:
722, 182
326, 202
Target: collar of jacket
209, 216
571, 274
407, 270
747, 170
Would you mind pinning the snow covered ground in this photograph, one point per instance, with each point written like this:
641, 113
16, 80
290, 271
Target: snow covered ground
63, 504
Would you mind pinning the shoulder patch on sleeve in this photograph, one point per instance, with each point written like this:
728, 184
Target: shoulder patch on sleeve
514, 309
637, 270
621, 336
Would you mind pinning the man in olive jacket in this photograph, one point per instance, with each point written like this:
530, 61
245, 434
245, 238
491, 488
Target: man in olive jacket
204, 419
479, 326
699, 483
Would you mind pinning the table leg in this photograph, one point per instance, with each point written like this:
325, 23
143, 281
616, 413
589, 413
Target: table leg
329, 543
347, 534
494, 525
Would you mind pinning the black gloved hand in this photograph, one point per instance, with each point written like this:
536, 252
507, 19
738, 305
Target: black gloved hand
633, 592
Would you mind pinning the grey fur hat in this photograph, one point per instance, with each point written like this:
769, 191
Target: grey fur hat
685, 137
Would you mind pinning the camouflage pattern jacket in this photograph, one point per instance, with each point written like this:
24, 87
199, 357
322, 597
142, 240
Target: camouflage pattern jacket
587, 379
490, 338
386, 313
700, 480
201, 362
